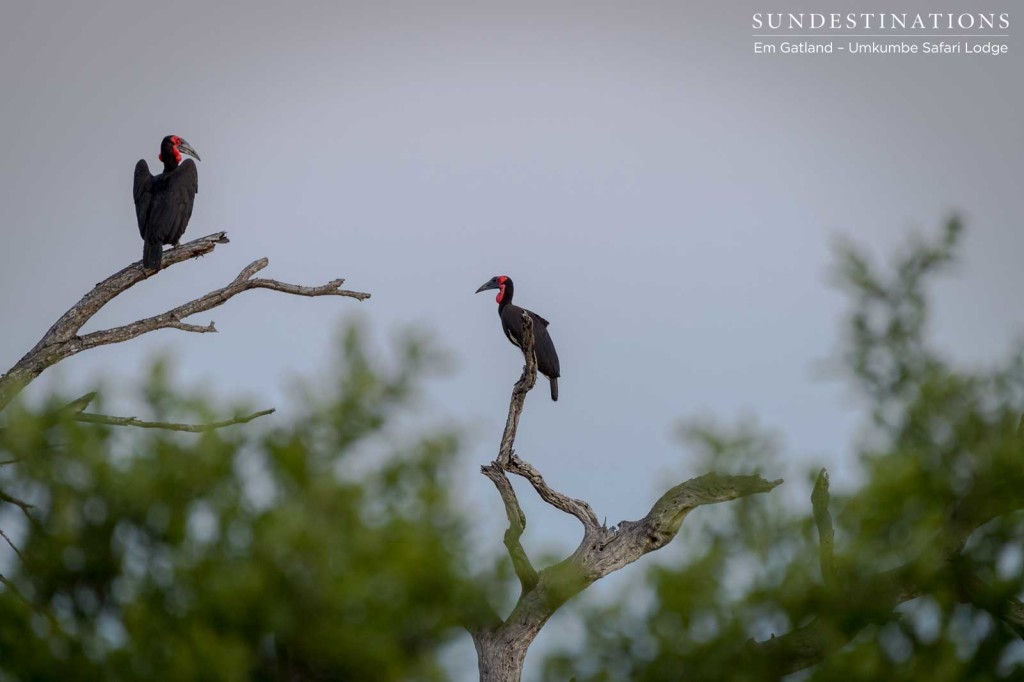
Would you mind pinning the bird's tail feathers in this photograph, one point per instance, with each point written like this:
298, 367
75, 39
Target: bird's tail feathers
152, 255
554, 388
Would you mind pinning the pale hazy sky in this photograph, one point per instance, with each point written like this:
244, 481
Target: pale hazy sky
665, 197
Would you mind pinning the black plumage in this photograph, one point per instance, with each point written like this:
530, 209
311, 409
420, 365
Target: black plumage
512, 324
163, 203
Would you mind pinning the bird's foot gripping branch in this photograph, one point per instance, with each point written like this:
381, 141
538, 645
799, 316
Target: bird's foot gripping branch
64, 339
501, 644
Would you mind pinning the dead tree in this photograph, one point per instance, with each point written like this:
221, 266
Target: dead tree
501, 644
65, 339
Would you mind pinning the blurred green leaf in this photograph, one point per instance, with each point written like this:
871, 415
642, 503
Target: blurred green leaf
941, 462
256, 552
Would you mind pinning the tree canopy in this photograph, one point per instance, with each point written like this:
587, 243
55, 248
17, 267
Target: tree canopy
911, 573
323, 547
329, 543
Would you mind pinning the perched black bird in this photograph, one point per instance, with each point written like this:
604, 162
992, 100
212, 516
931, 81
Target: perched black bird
163, 203
512, 324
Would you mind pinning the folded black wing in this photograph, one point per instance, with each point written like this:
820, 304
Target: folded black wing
182, 187
143, 193
543, 346
170, 204
547, 358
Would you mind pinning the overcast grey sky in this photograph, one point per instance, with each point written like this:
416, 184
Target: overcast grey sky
664, 196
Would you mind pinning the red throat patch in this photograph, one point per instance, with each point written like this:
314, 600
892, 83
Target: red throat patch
501, 293
175, 141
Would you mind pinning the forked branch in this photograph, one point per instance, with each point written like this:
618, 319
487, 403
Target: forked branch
63, 340
501, 647
172, 319
578, 508
524, 569
21, 504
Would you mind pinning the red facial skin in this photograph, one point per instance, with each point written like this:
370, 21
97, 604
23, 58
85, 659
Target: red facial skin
175, 141
501, 288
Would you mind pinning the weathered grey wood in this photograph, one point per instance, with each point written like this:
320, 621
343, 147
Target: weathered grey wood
502, 645
516, 525
526, 382
62, 340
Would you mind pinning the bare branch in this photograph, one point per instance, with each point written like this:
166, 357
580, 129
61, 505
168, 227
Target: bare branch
501, 646
78, 405
9, 585
9, 542
667, 514
195, 328
519, 391
10, 499
332, 288
507, 459
14, 590
74, 319
826, 533
516, 525
45, 613
578, 508
90, 418
173, 318
63, 339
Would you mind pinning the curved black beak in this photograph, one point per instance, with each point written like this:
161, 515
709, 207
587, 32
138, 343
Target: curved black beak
186, 148
489, 284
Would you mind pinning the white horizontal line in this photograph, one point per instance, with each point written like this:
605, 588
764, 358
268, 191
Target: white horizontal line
880, 35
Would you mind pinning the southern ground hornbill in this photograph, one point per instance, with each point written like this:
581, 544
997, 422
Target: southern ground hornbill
163, 203
512, 324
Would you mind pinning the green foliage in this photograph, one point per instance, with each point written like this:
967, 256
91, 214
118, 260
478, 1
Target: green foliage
323, 546
928, 551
